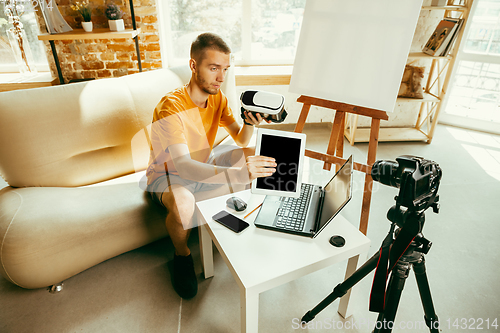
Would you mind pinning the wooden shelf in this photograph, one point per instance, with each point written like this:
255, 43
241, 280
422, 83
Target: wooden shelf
262, 80
263, 75
423, 55
102, 33
390, 134
454, 8
427, 98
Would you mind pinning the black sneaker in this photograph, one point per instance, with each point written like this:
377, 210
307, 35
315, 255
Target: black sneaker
183, 277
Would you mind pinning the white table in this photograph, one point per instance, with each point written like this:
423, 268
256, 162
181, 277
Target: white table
280, 257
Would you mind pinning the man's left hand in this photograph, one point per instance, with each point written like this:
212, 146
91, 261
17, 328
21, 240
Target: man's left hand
254, 120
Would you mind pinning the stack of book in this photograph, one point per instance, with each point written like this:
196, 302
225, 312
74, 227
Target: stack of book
442, 39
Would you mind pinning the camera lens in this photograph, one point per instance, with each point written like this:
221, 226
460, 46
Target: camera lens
384, 172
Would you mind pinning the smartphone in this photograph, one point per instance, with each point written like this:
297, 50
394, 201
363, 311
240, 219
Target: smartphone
229, 220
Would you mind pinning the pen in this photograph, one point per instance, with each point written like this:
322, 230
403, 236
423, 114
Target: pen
252, 211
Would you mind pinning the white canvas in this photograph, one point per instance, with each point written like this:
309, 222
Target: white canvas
354, 51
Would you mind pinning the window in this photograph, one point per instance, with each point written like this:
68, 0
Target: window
476, 91
484, 33
30, 26
258, 31
475, 95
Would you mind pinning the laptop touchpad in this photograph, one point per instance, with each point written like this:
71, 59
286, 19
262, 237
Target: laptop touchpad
269, 210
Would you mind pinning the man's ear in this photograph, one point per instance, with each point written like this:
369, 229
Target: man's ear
192, 65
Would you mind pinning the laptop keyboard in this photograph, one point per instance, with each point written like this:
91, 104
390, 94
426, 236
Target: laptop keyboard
292, 214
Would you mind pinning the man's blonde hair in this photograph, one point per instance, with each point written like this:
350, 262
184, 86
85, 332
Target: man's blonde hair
206, 41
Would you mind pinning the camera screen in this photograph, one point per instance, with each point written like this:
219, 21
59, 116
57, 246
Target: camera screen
422, 186
286, 151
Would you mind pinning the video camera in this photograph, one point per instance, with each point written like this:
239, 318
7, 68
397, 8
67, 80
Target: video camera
417, 178
271, 106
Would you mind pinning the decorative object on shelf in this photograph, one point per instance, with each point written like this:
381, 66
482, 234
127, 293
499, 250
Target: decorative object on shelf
114, 15
439, 3
18, 39
54, 22
83, 8
87, 26
443, 37
411, 84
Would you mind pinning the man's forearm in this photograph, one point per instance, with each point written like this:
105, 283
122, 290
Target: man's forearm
244, 135
209, 173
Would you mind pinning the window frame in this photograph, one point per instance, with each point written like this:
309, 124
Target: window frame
246, 39
462, 55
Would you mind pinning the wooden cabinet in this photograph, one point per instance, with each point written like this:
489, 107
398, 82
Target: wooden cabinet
435, 88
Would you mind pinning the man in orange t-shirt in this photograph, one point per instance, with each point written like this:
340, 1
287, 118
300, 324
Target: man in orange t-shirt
182, 167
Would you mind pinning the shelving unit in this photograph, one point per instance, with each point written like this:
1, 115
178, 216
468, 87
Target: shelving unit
434, 92
104, 33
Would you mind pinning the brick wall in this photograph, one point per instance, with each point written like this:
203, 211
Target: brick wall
100, 58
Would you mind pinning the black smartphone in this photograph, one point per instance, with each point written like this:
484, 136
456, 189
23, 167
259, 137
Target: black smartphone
229, 220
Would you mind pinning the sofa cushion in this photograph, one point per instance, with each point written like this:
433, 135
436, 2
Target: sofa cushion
39, 248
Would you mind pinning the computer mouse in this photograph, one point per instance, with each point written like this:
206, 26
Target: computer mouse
236, 203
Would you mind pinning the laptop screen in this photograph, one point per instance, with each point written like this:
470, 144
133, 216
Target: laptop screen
337, 193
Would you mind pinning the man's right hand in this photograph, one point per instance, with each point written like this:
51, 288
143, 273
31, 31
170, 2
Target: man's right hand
260, 166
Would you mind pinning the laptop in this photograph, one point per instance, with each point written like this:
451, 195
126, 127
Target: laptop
310, 213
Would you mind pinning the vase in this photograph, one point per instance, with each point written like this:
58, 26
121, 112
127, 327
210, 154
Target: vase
116, 25
87, 26
22, 51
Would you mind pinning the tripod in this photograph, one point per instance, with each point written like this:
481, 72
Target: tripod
413, 256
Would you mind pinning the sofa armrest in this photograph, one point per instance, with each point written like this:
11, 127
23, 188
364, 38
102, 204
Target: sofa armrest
48, 234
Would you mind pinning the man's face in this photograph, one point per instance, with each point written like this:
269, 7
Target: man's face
210, 73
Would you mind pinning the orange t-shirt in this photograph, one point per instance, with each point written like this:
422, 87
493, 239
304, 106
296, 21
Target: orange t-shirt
177, 119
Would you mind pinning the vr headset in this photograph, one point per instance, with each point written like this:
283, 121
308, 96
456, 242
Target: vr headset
271, 106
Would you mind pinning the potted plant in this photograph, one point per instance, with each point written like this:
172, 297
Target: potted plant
83, 8
114, 15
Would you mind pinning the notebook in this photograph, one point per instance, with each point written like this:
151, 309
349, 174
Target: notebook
310, 213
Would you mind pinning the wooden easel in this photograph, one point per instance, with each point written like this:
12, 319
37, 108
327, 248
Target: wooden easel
335, 150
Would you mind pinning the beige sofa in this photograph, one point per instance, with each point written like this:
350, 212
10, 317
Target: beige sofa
74, 198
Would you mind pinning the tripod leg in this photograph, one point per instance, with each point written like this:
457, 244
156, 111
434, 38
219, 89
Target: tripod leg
342, 288
385, 320
431, 319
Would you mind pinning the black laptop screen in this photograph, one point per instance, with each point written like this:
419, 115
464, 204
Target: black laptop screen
286, 151
338, 192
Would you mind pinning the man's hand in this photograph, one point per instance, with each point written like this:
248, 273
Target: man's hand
260, 166
254, 120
